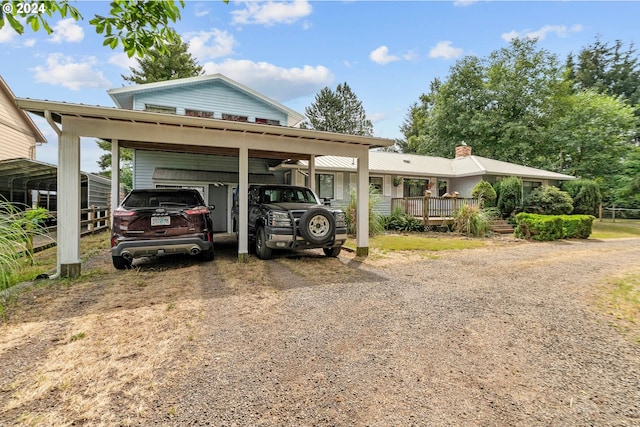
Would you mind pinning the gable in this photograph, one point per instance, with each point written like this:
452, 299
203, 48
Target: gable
214, 97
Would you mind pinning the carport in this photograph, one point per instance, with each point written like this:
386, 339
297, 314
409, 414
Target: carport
167, 132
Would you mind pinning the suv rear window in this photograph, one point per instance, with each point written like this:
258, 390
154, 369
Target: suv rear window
144, 199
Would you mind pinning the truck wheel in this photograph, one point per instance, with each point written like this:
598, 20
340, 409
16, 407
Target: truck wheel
262, 250
317, 226
332, 252
120, 263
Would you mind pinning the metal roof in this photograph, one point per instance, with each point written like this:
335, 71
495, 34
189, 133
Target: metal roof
417, 165
19, 175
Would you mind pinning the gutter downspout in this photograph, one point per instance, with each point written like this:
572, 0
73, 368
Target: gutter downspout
58, 131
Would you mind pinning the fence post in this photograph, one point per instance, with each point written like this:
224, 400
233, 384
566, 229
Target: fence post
91, 214
425, 207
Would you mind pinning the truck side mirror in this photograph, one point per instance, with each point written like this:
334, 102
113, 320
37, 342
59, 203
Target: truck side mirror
327, 201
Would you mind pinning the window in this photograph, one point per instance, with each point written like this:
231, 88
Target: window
267, 122
196, 113
529, 186
159, 109
234, 117
442, 188
324, 186
415, 187
377, 182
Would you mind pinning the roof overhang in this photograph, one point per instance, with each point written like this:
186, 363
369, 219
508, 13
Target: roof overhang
168, 132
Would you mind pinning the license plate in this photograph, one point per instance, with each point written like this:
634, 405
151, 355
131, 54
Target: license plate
160, 220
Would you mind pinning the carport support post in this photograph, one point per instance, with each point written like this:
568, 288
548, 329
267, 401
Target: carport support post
362, 206
115, 176
68, 202
312, 173
243, 199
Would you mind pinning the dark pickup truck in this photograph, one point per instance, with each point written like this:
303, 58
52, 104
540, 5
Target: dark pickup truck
291, 217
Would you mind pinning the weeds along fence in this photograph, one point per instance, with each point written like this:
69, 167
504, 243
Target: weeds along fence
432, 210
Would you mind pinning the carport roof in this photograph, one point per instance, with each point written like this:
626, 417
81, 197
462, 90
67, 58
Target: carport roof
57, 110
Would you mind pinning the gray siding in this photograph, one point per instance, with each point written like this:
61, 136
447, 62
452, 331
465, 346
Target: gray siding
145, 162
215, 97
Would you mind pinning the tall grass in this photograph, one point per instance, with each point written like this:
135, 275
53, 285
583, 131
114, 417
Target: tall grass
474, 221
17, 229
376, 225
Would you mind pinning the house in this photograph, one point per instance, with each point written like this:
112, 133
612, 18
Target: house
205, 132
19, 135
213, 97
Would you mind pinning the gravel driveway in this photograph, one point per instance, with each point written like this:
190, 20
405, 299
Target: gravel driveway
505, 335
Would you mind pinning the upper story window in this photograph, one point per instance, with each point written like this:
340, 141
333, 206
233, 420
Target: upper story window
267, 122
234, 117
197, 113
159, 109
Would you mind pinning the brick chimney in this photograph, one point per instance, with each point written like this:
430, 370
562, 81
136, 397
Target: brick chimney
463, 150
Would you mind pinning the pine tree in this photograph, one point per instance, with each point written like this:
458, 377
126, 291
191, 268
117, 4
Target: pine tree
339, 111
159, 66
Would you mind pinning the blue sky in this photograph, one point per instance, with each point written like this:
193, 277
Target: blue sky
387, 51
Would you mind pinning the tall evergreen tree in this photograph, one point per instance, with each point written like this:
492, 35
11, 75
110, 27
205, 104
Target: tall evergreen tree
158, 66
339, 111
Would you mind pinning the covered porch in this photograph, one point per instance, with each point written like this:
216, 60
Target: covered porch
173, 133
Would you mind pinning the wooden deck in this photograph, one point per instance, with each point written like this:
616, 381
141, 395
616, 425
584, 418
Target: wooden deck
434, 211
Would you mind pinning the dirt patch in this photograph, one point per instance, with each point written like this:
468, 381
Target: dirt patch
508, 334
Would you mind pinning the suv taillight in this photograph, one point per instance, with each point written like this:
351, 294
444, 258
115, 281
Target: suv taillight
197, 211
123, 212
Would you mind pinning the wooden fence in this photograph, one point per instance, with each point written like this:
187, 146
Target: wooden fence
92, 219
432, 210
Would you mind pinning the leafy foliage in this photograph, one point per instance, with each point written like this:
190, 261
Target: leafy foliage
17, 229
484, 191
339, 111
375, 222
136, 25
401, 221
549, 200
473, 220
585, 194
509, 196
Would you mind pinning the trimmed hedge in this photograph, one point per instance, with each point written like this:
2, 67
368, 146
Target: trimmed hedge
553, 227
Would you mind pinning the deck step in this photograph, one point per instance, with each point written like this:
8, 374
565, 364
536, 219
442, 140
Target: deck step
501, 226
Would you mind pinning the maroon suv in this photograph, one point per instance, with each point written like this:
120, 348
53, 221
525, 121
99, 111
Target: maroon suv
158, 222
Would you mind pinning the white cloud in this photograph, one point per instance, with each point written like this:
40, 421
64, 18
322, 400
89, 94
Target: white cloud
29, 43
222, 44
281, 84
445, 50
7, 33
464, 3
201, 10
541, 34
66, 30
62, 70
272, 12
381, 56
123, 61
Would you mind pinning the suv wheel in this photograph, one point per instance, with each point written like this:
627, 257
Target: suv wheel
317, 226
262, 250
206, 255
120, 263
332, 252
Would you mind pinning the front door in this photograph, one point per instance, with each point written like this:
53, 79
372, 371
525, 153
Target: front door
218, 197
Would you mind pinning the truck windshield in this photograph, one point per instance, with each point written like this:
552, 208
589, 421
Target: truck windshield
289, 195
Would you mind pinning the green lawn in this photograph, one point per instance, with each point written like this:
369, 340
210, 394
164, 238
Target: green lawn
612, 230
418, 242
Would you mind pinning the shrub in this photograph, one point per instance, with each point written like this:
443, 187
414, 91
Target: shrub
401, 221
509, 196
375, 222
586, 195
484, 192
474, 221
16, 239
549, 200
553, 227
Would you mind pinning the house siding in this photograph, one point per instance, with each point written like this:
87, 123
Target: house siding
215, 97
16, 139
145, 162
